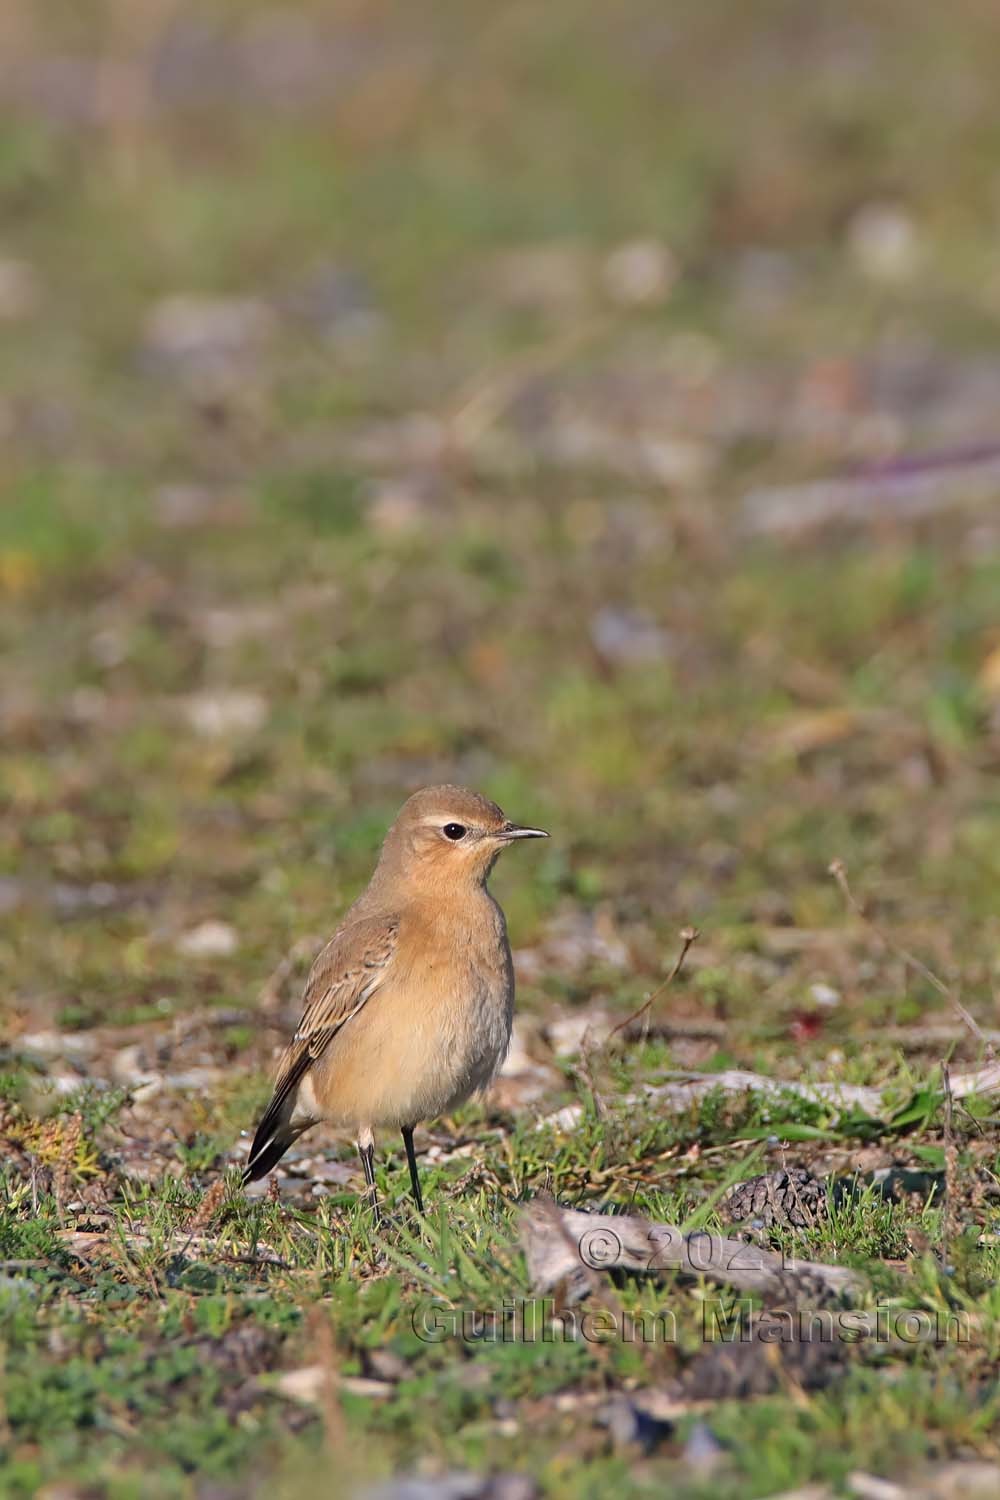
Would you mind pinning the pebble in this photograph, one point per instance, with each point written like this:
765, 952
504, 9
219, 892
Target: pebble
194, 1079
208, 940
547, 277
883, 242
627, 637
46, 1044
640, 273
565, 1119
703, 1451
20, 290
455, 1486
565, 1034
225, 711
127, 1069
186, 327
11, 894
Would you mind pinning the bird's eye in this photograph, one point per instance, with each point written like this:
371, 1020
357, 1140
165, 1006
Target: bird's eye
455, 831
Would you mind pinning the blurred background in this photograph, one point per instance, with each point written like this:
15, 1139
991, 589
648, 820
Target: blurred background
596, 405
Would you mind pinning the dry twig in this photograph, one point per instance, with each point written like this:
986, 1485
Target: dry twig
839, 872
688, 936
564, 1246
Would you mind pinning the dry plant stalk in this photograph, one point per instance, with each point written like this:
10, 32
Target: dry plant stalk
688, 936
838, 870
478, 408
334, 1429
4, 1423
65, 1165
207, 1208
126, 101
949, 1219
588, 1052
586, 1071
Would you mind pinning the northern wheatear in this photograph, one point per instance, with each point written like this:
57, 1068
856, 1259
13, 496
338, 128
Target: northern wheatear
408, 1009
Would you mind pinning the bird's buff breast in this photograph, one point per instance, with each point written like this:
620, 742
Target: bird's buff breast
433, 1035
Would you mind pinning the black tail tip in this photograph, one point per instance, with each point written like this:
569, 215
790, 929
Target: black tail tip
262, 1161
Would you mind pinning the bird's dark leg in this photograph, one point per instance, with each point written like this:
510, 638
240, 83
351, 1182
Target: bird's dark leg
412, 1163
366, 1150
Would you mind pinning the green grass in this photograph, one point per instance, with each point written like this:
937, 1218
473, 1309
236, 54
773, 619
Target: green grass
156, 1349
442, 508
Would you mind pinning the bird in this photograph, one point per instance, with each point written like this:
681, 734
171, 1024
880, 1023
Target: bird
407, 1010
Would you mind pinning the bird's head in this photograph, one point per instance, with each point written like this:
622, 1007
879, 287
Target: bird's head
449, 834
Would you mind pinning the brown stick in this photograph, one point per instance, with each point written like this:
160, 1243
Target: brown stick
688, 936
839, 872
949, 1219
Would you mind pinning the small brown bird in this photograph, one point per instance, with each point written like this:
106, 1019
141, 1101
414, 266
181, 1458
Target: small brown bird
408, 1009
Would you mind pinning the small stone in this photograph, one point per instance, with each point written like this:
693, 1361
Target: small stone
20, 290
46, 1044
318, 1169
15, 1288
222, 628
208, 940
626, 637
183, 505
566, 1034
640, 273
396, 508
703, 1451
263, 1186
63, 1083
676, 463
194, 1080
11, 894
108, 648
337, 302
870, 1487
764, 281
226, 711
576, 938
307, 1384
883, 242
187, 328
632, 1425
385, 1364
454, 1486
68, 900
824, 994
127, 1069
553, 277
565, 1119
88, 705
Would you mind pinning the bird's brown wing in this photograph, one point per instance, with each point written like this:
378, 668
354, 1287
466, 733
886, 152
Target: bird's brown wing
345, 975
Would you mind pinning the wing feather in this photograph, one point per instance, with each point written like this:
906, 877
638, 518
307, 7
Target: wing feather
346, 973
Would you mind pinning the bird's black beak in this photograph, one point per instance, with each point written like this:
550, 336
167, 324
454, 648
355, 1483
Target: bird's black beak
515, 831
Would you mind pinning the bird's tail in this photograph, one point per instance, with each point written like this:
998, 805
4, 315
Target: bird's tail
278, 1128
264, 1154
